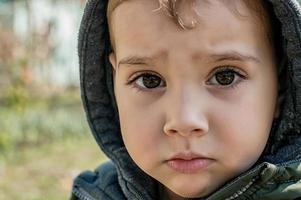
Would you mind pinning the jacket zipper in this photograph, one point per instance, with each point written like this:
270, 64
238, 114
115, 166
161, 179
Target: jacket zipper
242, 190
81, 194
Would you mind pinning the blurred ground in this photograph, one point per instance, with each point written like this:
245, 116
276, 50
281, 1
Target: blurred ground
44, 143
46, 172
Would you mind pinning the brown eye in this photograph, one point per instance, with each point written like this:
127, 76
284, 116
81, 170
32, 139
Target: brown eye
225, 77
149, 81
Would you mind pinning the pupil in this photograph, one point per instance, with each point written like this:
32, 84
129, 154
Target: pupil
225, 78
151, 81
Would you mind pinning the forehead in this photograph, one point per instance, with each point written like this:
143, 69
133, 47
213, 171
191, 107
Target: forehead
136, 23
183, 13
171, 6
113, 4
220, 33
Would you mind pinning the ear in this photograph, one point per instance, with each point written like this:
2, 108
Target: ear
112, 59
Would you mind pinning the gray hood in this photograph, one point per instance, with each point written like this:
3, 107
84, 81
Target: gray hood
101, 110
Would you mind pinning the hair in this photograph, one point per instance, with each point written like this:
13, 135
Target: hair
262, 10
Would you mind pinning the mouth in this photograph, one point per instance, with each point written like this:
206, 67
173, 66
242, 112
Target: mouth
189, 163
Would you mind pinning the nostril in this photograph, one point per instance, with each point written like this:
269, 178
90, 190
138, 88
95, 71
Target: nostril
172, 131
188, 128
196, 130
184, 132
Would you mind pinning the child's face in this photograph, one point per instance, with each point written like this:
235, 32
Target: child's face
195, 106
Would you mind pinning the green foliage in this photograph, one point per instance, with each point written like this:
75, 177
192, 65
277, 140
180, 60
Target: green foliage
25, 120
16, 98
44, 143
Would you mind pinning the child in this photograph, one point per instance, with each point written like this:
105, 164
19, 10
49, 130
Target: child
192, 99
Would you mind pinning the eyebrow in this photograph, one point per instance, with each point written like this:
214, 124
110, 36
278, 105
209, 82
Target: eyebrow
226, 56
136, 60
234, 56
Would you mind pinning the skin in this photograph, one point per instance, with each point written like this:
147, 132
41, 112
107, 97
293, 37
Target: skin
190, 111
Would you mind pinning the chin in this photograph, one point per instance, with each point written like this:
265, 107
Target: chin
192, 193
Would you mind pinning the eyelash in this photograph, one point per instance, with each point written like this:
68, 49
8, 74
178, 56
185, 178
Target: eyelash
140, 75
237, 72
239, 77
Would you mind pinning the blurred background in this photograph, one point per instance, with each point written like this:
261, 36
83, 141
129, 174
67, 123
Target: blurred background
44, 137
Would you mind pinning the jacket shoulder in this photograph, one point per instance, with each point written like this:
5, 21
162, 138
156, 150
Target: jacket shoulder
100, 184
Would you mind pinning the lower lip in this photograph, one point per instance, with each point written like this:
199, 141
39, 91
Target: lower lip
189, 166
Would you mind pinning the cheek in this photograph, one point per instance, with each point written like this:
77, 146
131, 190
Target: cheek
241, 127
242, 134
141, 128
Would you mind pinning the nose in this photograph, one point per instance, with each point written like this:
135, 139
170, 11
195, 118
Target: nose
186, 116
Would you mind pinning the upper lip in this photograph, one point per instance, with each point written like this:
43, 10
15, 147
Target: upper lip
188, 156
